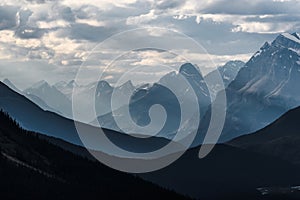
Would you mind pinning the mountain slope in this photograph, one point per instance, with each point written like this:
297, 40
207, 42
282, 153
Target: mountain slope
66, 88
11, 85
32, 117
228, 72
31, 168
280, 139
163, 93
227, 173
51, 96
100, 92
58, 172
31, 97
238, 177
265, 88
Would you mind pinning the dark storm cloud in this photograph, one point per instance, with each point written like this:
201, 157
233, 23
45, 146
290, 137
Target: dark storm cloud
23, 30
30, 32
65, 31
8, 18
150, 49
80, 31
24, 16
115, 19
218, 38
167, 4
254, 7
12, 18
84, 11
89, 24
66, 13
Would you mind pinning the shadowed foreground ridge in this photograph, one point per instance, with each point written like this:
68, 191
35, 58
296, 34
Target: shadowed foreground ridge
32, 168
280, 139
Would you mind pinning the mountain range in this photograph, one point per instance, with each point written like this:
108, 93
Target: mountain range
262, 165
258, 92
38, 101
58, 97
51, 96
265, 88
161, 93
32, 117
143, 99
33, 155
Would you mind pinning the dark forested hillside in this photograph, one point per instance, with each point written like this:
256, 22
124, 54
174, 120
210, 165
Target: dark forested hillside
280, 139
32, 168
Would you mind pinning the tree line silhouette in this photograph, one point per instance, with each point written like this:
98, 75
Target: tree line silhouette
73, 177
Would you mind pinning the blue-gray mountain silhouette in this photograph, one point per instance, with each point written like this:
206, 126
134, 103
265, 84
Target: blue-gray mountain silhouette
51, 96
265, 88
280, 139
32, 117
143, 99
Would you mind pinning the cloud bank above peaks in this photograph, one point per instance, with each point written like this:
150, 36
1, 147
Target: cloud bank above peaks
63, 32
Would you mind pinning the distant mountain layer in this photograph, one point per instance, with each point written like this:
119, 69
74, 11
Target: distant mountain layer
279, 139
164, 93
228, 73
32, 117
52, 97
11, 85
58, 97
31, 97
239, 176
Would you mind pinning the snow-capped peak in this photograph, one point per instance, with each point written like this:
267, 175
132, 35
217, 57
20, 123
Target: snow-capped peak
287, 40
297, 35
294, 37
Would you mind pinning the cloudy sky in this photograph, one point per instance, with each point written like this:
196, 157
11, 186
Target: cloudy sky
50, 39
